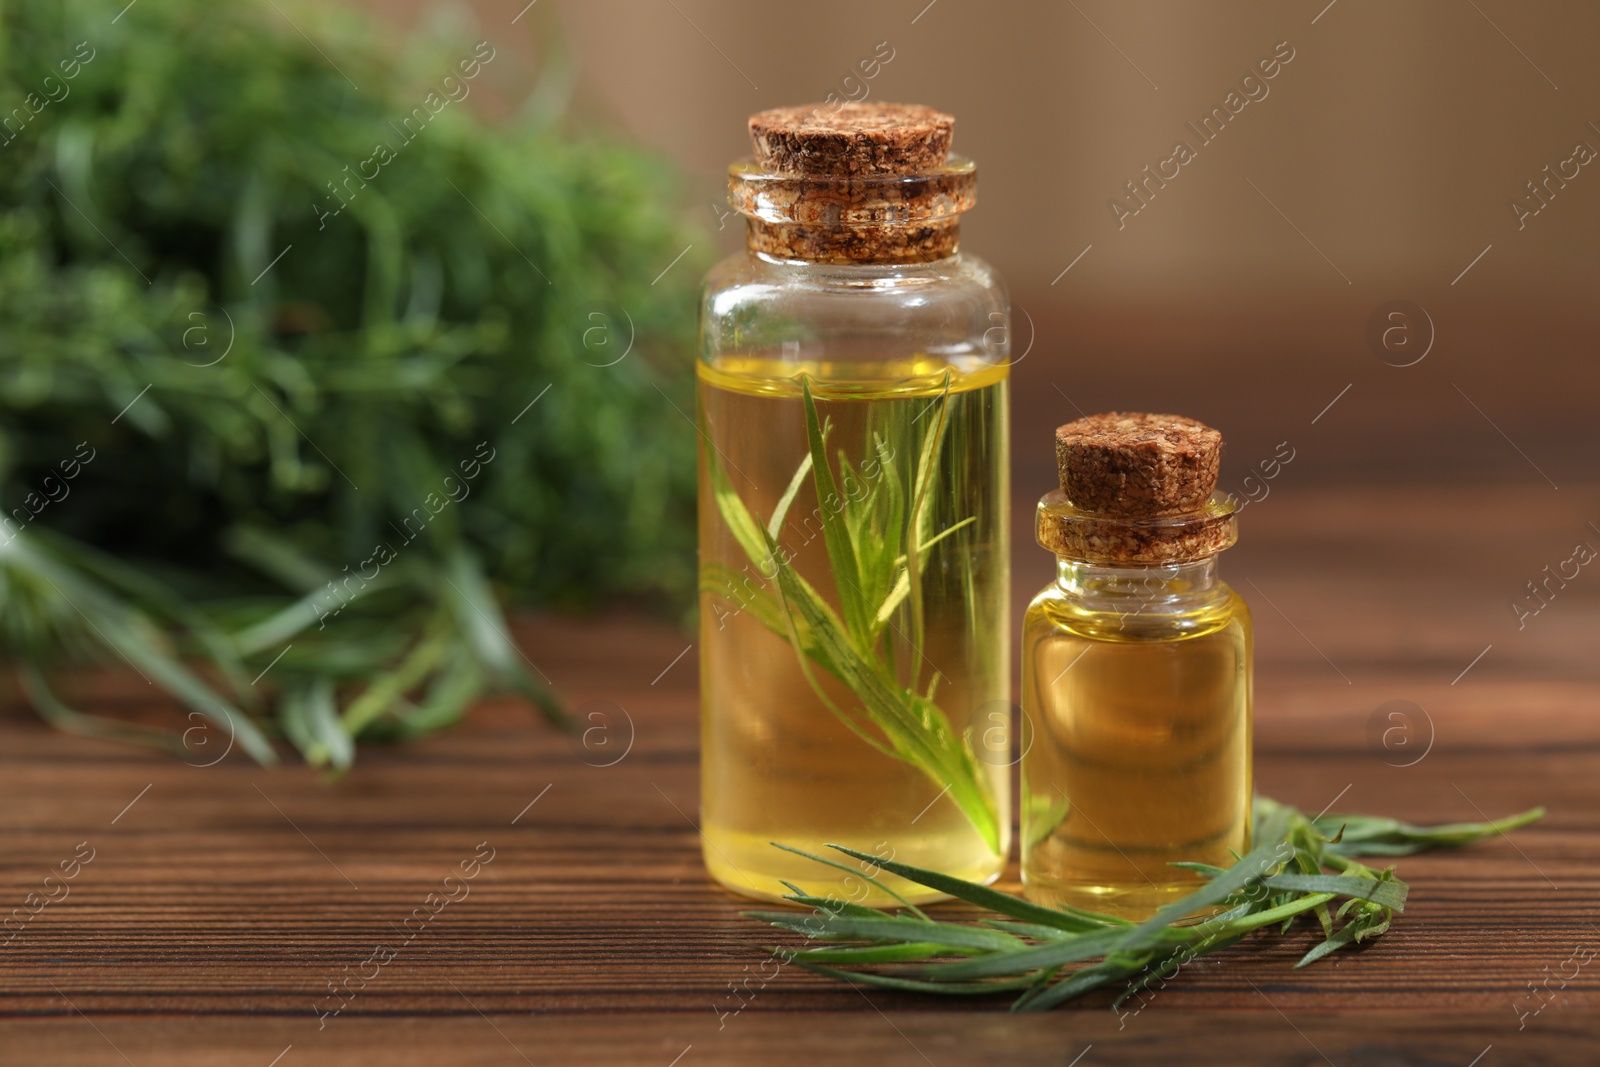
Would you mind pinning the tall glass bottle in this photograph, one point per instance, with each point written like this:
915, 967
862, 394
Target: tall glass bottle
1136, 673
853, 513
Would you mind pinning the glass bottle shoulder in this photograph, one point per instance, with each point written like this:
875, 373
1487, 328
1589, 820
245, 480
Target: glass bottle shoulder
749, 275
909, 324
1057, 610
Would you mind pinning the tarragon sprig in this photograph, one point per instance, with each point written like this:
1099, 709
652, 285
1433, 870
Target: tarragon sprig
876, 549
1299, 866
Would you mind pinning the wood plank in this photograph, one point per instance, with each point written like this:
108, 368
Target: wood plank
918, 1038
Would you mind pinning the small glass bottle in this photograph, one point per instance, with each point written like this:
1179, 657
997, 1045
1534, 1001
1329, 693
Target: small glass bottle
854, 552
1136, 672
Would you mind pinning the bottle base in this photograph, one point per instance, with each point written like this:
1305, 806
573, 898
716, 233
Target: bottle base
1134, 902
761, 872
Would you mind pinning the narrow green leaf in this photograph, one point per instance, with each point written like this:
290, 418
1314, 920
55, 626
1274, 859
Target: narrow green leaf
854, 872
985, 897
920, 511
322, 714
891, 928
277, 557
318, 606
1390, 893
450, 693
380, 695
735, 515
1037, 931
69, 720
884, 981
479, 617
898, 591
119, 628
781, 512
152, 596
1255, 865
841, 552
1080, 982
831, 906
296, 723
765, 607
1032, 958
863, 954
1210, 870
1369, 836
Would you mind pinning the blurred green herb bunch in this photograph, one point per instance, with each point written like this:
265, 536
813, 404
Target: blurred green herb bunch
297, 352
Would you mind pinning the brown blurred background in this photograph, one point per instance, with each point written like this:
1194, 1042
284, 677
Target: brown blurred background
1380, 166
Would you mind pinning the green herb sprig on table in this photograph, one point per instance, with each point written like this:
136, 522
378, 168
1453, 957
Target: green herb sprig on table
876, 550
1299, 866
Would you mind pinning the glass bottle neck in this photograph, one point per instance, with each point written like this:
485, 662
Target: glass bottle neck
1145, 589
878, 245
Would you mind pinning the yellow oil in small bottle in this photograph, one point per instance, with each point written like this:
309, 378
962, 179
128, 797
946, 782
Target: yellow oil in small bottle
1140, 754
777, 763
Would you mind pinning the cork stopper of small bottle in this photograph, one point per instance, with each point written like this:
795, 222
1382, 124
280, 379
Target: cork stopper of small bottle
852, 139
1137, 465
1136, 489
853, 183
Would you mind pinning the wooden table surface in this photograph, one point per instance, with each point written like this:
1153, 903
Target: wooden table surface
222, 901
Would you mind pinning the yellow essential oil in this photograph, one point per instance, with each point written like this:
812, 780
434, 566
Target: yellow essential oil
1136, 678
777, 763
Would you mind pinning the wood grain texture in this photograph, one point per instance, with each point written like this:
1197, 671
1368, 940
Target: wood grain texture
219, 906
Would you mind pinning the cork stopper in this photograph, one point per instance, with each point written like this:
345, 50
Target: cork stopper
852, 139
1137, 465
1136, 489
853, 183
